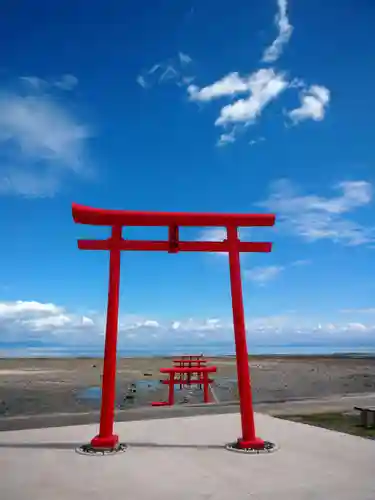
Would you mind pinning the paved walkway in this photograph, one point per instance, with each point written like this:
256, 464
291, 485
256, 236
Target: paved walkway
184, 459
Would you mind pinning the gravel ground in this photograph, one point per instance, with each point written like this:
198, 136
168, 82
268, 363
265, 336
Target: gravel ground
45, 386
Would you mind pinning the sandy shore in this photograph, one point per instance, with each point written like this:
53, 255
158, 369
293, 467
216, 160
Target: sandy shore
37, 387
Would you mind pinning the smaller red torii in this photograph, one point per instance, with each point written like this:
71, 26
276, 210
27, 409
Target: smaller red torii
200, 379
116, 243
189, 361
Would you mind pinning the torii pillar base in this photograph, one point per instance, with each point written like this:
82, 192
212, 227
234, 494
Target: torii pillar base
105, 443
255, 444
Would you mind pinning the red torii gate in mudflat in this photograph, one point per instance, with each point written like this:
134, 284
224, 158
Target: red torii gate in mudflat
116, 219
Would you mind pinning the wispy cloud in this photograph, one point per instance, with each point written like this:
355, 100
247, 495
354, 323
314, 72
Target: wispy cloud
314, 217
141, 81
20, 181
184, 58
302, 262
41, 142
249, 95
314, 102
263, 274
39, 127
64, 82
176, 70
252, 142
274, 51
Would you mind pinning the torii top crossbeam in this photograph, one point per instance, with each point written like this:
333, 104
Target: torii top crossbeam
173, 220
102, 217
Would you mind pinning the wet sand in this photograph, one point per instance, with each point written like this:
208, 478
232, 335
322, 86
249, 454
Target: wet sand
40, 387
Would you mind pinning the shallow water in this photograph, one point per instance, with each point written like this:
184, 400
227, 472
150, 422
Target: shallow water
140, 389
90, 393
148, 385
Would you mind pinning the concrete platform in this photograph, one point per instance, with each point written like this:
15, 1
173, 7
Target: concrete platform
184, 459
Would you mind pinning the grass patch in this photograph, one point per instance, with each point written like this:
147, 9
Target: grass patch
342, 422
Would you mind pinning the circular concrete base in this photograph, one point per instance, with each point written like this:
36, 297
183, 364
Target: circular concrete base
267, 448
89, 450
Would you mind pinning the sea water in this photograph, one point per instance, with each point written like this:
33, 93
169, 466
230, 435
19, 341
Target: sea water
214, 349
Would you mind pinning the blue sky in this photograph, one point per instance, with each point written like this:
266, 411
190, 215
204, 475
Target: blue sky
188, 106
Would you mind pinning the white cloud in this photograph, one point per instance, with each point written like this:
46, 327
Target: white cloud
220, 234
314, 102
356, 327
265, 85
274, 51
48, 322
151, 323
262, 86
41, 141
263, 274
54, 328
27, 317
316, 217
20, 307
229, 85
213, 234
226, 138
133, 322
369, 310
199, 325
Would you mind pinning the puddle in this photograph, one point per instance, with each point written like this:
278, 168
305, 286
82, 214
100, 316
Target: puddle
148, 385
90, 393
94, 393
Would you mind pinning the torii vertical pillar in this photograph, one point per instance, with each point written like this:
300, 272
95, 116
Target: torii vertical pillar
106, 438
249, 439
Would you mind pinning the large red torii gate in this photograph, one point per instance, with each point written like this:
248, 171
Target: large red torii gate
116, 243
